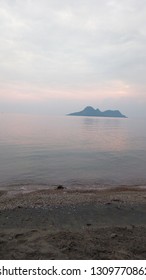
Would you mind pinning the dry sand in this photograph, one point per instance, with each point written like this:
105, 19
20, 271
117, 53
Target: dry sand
73, 224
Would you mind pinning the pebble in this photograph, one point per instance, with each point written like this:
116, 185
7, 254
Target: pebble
114, 235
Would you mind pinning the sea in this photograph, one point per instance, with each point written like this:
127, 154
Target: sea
71, 151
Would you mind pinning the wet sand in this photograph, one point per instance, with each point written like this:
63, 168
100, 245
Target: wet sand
73, 224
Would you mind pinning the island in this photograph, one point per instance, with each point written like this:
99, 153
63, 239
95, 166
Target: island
91, 112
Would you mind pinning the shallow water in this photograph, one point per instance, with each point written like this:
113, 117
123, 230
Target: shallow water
72, 150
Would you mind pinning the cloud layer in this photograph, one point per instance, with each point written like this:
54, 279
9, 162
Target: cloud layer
83, 51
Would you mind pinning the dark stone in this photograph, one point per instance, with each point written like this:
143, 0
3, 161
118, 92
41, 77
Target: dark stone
114, 235
60, 187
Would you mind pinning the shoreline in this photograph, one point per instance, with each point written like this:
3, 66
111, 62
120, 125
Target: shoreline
41, 196
27, 187
64, 223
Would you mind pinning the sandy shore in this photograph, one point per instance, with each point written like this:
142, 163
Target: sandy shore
56, 223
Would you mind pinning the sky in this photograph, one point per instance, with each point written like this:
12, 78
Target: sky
58, 56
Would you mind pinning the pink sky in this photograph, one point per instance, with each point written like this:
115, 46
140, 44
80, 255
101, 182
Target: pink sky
67, 56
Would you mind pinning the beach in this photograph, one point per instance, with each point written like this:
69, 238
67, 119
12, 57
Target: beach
40, 222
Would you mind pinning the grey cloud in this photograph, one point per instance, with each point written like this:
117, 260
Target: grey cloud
72, 44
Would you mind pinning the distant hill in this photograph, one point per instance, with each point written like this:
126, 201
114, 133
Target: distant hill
91, 112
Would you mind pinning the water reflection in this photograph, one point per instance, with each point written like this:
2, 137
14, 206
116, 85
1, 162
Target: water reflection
69, 133
105, 134
41, 148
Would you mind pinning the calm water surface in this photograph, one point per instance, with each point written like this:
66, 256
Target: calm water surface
71, 150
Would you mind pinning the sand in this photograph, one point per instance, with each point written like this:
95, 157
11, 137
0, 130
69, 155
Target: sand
53, 223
